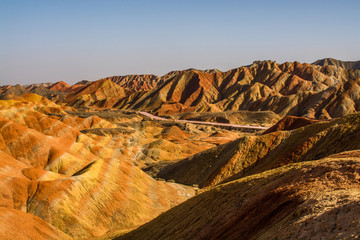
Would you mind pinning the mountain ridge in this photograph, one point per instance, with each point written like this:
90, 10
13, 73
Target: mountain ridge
348, 65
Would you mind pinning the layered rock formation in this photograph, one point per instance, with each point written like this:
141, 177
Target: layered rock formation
286, 89
137, 83
326, 89
60, 86
103, 94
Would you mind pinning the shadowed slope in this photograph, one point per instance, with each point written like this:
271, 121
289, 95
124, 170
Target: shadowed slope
290, 123
316, 199
13, 92
263, 118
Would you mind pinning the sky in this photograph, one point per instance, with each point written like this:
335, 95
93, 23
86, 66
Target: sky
74, 40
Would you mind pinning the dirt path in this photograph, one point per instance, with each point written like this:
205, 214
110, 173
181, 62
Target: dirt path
206, 123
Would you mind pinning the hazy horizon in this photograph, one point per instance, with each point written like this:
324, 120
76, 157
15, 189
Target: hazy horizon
43, 41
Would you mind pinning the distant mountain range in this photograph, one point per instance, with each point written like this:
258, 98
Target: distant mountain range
325, 89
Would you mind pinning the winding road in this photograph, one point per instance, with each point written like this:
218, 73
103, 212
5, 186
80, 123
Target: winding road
205, 123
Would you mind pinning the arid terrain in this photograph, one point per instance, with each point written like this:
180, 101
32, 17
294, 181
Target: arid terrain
265, 151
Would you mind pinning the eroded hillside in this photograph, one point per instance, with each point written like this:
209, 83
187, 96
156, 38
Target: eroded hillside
265, 151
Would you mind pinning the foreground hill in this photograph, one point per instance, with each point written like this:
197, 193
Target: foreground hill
309, 200
80, 185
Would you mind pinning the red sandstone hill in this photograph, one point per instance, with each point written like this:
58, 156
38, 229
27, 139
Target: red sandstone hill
286, 89
60, 86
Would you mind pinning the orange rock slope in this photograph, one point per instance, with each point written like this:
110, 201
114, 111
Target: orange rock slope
67, 184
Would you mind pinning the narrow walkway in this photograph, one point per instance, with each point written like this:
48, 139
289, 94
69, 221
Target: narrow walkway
205, 123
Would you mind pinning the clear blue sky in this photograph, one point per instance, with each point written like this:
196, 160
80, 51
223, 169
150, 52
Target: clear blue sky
72, 40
